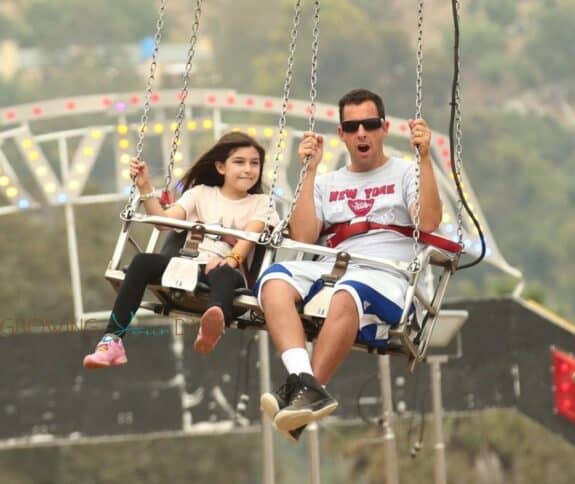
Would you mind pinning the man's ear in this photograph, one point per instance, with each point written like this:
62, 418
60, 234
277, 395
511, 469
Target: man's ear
386, 127
340, 132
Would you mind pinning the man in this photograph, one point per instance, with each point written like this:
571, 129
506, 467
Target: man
373, 187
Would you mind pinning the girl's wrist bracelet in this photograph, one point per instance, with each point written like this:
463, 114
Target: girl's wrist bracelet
147, 196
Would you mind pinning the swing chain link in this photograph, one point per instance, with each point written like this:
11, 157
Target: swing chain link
266, 235
181, 114
129, 210
458, 142
415, 266
276, 237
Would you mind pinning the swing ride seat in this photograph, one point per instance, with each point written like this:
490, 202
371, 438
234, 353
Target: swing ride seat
186, 303
406, 338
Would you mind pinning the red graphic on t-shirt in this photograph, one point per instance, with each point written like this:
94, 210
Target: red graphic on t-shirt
360, 207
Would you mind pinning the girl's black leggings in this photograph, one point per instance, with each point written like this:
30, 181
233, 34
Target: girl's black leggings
148, 269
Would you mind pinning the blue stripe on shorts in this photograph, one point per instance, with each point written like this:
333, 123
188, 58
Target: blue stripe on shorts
274, 268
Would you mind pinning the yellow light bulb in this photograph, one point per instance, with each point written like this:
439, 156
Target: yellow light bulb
122, 129
41, 171
207, 124
11, 192
124, 144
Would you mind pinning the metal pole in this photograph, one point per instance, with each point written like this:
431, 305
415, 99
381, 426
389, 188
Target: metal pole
267, 430
313, 441
435, 376
71, 235
314, 453
391, 467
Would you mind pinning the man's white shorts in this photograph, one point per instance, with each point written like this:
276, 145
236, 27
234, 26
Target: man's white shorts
379, 295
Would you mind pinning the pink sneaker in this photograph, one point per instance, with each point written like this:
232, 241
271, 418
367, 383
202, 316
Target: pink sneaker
109, 352
211, 328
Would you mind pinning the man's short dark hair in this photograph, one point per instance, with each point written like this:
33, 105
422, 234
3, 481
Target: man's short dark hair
359, 96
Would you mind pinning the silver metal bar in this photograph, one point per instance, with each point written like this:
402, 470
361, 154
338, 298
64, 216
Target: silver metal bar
268, 470
153, 241
314, 453
440, 471
104, 198
391, 467
71, 237
120, 246
286, 243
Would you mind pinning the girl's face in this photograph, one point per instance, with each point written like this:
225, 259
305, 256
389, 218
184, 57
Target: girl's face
241, 171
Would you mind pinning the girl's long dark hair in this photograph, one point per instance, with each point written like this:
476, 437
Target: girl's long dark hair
204, 172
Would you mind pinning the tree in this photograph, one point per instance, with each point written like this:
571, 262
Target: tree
59, 23
552, 44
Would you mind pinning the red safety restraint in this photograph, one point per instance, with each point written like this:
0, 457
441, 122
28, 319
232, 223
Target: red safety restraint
344, 230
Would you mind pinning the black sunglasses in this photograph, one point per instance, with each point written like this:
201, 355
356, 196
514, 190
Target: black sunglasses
369, 124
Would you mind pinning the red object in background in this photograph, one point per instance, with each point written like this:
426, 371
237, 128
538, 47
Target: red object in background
564, 383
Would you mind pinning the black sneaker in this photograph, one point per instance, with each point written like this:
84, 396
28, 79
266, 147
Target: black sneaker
272, 403
308, 403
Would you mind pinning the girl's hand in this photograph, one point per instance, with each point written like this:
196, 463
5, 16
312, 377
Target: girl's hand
219, 261
140, 171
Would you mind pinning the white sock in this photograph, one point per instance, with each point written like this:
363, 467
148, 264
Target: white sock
296, 360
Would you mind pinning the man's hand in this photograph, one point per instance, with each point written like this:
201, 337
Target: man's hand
311, 145
420, 136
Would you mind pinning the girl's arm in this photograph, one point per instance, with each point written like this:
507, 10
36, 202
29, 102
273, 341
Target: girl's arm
240, 250
139, 169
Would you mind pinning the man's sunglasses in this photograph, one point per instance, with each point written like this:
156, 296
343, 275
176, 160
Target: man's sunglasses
369, 124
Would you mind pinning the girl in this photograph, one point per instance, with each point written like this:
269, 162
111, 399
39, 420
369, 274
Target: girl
224, 186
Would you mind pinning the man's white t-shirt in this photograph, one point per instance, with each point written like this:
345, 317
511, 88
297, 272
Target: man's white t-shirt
383, 195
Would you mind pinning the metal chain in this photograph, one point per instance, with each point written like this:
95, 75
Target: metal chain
458, 143
181, 114
128, 211
276, 237
266, 234
418, 108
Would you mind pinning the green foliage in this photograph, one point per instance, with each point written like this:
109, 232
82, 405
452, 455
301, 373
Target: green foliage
479, 39
551, 47
492, 67
501, 12
485, 448
59, 23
